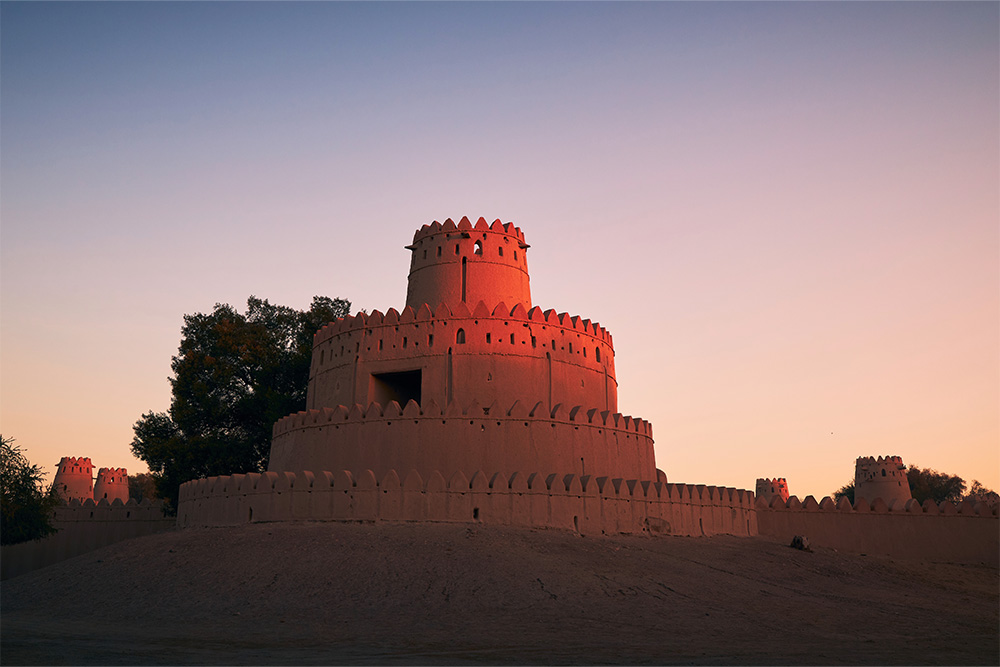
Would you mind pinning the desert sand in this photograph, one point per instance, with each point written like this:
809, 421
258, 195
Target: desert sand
339, 593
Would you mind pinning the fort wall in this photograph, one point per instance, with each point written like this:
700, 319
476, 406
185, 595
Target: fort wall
84, 527
428, 438
944, 532
589, 505
488, 353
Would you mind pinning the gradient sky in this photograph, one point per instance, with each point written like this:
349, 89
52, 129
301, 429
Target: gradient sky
787, 215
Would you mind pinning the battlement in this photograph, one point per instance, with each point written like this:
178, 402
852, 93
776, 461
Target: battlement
866, 461
465, 225
430, 410
72, 464
113, 473
443, 313
587, 504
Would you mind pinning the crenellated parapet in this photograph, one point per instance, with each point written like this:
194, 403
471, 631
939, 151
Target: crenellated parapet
470, 436
584, 503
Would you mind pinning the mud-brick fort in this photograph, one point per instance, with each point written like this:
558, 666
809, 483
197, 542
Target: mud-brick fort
472, 404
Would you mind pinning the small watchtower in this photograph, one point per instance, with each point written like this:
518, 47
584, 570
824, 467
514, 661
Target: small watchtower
882, 477
769, 488
74, 478
111, 483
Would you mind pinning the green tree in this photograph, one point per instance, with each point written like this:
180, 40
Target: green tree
141, 486
937, 486
235, 374
846, 491
25, 506
980, 494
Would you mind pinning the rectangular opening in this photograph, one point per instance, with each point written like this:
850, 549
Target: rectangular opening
401, 387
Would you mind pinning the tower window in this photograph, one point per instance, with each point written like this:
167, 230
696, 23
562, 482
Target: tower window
456, 248
430, 340
597, 354
487, 338
501, 251
479, 248
460, 336
439, 251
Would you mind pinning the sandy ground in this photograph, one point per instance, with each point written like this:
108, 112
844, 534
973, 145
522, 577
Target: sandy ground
326, 593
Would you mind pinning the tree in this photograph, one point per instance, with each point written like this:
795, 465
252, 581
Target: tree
980, 494
141, 486
846, 491
25, 506
937, 486
235, 374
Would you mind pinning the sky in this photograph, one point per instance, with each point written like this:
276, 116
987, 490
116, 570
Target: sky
786, 214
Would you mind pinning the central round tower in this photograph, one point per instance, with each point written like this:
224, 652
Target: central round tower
468, 376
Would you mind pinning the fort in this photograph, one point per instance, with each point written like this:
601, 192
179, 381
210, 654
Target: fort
473, 405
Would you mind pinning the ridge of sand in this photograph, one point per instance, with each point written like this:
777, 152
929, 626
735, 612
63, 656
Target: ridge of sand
348, 593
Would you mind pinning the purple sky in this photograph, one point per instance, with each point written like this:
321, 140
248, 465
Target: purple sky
786, 214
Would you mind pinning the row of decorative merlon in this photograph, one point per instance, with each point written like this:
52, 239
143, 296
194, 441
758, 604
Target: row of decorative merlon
104, 502
516, 483
465, 225
877, 506
392, 317
431, 410
887, 460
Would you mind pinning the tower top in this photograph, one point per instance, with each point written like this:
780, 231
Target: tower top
465, 263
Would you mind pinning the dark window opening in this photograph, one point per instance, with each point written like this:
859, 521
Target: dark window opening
501, 251
439, 251
456, 248
460, 336
430, 340
597, 354
487, 338
512, 339
478, 250
404, 342
401, 387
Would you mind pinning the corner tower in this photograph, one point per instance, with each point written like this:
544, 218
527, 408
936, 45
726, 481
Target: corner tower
74, 478
111, 483
882, 477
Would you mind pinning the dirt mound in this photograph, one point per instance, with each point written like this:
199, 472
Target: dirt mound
361, 593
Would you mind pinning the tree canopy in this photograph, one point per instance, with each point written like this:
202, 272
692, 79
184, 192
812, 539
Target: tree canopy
235, 374
25, 506
937, 486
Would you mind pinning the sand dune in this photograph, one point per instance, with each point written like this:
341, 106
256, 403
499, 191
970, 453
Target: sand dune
444, 594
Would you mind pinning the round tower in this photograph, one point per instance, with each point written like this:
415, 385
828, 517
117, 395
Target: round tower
111, 483
462, 263
769, 488
74, 478
880, 477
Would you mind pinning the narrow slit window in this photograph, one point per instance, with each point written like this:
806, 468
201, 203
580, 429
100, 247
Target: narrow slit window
439, 251
460, 336
487, 338
501, 250
597, 354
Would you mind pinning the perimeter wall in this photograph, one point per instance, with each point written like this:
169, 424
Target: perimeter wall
943, 532
84, 527
589, 505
